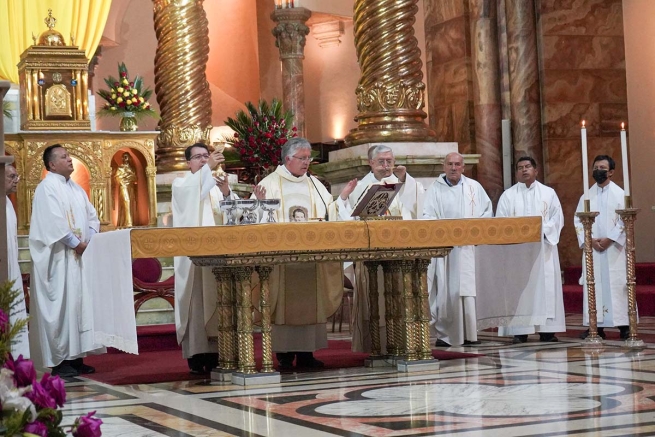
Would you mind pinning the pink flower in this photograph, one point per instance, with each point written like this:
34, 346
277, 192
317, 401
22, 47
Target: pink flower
55, 387
24, 372
40, 396
36, 428
87, 426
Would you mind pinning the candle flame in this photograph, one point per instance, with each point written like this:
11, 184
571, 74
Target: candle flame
622, 126
583, 124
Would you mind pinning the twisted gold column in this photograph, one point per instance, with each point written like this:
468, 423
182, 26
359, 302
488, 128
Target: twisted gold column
181, 86
265, 308
587, 218
246, 363
391, 92
628, 216
389, 319
398, 305
290, 34
374, 310
407, 267
226, 326
423, 310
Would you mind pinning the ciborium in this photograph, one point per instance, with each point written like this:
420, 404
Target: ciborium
247, 206
228, 207
270, 205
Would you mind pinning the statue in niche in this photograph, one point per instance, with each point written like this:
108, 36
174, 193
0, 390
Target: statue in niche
125, 179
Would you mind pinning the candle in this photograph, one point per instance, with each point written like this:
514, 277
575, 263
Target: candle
585, 162
624, 157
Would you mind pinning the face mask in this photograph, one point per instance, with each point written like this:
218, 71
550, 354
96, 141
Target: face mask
600, 176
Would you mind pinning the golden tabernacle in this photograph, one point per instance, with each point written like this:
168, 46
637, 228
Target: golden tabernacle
54, 81
97, 158
403, 248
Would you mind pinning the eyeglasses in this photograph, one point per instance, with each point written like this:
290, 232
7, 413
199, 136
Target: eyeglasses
303, 159
13, 177
199, 156
388, 162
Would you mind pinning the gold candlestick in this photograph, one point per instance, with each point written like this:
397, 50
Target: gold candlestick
628, 216
587, 218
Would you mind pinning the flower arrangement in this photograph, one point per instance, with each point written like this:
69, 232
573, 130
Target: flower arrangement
29, 406
125, 96
260, 134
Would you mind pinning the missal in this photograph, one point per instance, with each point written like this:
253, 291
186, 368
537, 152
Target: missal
375, 200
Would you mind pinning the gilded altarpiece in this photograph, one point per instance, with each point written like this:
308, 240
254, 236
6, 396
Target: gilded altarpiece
93, 154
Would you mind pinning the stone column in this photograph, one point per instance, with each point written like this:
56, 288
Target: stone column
181, 86
486, 95
290, 34
391, 92
523, 63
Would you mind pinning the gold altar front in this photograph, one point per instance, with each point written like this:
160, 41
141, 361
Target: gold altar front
95, 152
404, 249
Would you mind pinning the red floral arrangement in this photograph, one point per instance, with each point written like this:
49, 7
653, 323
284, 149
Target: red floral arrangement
260, 134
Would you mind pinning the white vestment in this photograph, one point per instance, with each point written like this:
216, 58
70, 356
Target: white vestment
20, 344
61, 324
539, 200
451, 280
195, 202
303, 295
610, 265
408, 203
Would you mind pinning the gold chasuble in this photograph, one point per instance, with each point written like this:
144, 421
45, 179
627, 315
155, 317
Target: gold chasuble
303, 295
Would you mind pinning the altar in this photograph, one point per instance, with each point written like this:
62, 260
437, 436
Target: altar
404, 248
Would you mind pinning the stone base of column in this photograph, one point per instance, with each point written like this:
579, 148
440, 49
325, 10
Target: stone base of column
418, 366
379, 361
221, 375
248, 379
424, 162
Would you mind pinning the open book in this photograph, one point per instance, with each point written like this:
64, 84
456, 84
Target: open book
375, 200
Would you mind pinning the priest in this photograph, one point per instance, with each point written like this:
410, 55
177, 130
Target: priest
195, 202
608, 243
303, 295
20, 344
529, 197
407, 204
63, 221
451, 280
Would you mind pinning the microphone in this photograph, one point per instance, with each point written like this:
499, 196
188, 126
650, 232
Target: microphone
327, 216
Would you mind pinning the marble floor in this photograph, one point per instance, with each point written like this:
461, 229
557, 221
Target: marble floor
531, 389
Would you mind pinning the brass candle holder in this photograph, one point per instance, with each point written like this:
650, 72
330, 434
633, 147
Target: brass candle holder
587, 219
628, 216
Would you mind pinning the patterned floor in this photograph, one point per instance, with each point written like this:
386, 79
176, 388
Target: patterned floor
534, 389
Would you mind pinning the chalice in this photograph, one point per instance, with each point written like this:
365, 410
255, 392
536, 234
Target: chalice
219, 172
247, 206
270, 205
227, 206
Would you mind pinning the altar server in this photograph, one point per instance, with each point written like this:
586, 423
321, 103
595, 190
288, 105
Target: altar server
303, 295
608, 243
20, 344
451, 280
529, 197
195, 202
63, 221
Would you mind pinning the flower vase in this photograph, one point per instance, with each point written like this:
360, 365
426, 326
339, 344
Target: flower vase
128, 122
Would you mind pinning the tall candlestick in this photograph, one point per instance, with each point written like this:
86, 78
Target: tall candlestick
585, 162
624, 157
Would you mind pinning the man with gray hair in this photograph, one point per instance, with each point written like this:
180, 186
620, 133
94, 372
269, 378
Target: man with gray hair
451, 280
303, 295
408, 204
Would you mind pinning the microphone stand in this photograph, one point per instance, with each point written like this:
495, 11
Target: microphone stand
327, 215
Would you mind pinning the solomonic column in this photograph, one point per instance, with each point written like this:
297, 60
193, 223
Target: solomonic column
391, 92
290, 34
180, 83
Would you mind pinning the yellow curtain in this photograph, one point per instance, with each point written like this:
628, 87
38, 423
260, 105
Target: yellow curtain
19, 19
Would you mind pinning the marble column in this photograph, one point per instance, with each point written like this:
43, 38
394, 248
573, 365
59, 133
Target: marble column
181, 86
486, 95
524, 80
290, 34
391, 92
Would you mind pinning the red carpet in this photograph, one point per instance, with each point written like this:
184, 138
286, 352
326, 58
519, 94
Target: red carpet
168, 365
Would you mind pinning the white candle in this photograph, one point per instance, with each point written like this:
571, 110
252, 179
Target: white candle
624, 157
585, 162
